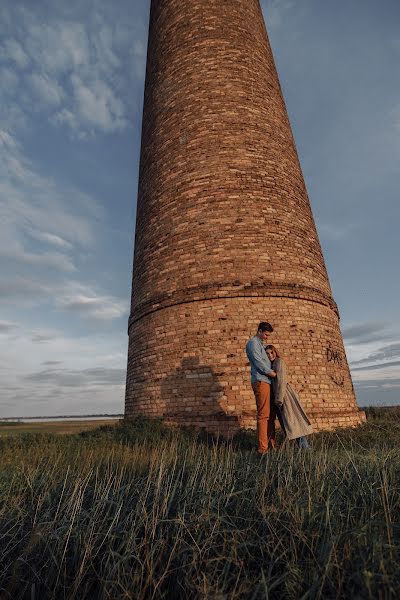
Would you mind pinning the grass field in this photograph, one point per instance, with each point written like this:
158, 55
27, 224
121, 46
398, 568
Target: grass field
134, 510
62, 427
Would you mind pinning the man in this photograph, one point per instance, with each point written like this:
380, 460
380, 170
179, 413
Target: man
261, 374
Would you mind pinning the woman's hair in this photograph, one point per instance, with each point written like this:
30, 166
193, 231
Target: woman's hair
271, 347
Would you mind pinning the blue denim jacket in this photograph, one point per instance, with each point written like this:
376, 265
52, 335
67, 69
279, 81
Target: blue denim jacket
259, 361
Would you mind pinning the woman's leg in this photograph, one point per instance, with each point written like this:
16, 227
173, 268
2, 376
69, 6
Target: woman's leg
281, 423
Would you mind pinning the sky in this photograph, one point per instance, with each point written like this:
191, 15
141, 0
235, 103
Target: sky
71, 84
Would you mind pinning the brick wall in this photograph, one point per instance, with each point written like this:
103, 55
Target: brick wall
225, 235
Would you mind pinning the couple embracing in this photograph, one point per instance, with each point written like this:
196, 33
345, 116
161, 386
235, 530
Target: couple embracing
274, 395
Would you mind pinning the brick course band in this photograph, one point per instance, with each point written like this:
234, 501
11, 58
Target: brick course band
214, 291
225, 235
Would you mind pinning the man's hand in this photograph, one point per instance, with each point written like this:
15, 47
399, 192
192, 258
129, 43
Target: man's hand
272, 374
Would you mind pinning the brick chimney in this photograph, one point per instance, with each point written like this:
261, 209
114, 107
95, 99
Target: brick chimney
225, 236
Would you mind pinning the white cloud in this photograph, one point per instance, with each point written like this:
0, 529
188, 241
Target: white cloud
14, 52
46, 89
81, 74
75, 43
7, 141
384, 373
7, 327
89, 303
28, 200
138, 54
78, 74
9, 80
19, 290
50, 238
56, 47
45, 258
103, 43
12, 116
68, 118
77, 378
373, 350
43, 335
81, 375
98, 106
16, 252
362, 333
139, 48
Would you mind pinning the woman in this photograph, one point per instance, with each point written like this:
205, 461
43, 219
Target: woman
294, 419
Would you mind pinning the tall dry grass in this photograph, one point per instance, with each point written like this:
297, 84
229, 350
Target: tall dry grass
142, 512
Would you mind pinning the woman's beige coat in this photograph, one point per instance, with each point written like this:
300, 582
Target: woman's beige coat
294, 418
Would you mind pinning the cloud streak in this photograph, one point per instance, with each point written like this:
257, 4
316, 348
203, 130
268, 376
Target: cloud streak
12, 50
72, 297
28, 199
380, 366
6, 327
364, 333
85, 377
46, 90
87, 303
96, 106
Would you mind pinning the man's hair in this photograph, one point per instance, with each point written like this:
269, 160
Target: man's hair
264, 326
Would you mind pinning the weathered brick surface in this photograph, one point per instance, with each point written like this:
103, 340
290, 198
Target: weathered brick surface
225, 236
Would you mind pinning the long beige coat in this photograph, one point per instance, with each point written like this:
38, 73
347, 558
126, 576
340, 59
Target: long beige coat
294, 418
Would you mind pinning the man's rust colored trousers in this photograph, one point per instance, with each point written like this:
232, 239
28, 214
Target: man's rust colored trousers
266, 414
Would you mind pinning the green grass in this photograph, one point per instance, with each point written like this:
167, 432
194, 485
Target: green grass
140, 511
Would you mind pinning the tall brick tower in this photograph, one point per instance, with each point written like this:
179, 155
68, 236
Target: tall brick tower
225, 236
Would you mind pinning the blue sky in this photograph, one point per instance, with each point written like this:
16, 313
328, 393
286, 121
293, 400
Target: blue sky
72, 76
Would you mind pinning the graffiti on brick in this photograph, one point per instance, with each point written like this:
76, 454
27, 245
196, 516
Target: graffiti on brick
338, 379
334, 356
335, 360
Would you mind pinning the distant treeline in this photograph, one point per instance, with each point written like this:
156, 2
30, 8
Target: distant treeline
382, 412
106, 415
